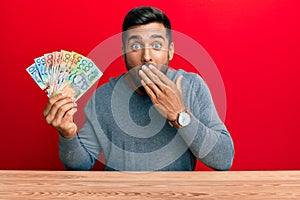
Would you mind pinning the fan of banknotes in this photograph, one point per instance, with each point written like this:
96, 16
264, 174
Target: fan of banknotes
64, 72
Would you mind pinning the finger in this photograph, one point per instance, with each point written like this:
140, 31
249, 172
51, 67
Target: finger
61, 114
178, 83
62, 111
160, 75
51, 102
149, 82
150, 93
154, 78
69, 115
67, 127
57, 109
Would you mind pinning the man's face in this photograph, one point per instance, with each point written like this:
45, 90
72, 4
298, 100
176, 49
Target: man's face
147, 44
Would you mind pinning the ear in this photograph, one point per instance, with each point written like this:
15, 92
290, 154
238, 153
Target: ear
123, 53
171, 51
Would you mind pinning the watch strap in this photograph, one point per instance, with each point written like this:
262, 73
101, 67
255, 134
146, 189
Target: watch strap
175, 123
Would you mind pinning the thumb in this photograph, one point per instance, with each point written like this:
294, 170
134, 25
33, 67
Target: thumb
178, 83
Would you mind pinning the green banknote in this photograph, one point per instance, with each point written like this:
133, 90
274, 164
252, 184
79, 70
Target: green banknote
83, 76
64, 72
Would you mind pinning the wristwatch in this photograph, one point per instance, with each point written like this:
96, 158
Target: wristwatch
183, 119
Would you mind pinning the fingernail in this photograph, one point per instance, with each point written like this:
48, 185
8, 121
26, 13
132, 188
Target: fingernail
144, 67
151, 66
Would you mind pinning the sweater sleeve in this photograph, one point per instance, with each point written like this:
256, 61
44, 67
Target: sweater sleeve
206, 135
73, 155
81, 151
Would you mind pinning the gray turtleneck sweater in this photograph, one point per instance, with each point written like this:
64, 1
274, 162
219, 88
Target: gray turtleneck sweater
133, 136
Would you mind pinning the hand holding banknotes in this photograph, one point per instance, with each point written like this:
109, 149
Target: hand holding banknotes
59, 113
65, 76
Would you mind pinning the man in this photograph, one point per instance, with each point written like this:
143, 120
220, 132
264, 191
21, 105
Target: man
150, 118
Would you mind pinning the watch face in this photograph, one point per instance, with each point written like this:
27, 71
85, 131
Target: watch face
184, 119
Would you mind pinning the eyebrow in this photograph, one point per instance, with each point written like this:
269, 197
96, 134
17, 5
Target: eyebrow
157, 36
133, 37
137, 37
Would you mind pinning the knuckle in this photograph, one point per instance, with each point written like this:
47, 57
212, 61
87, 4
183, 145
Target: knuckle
165, 90
151, 85
159, 96
63, 128
160, 84
51, 101
61, 111
48, 120
65, 108
55, 106
55, 124
156, 79
68, 114
66, 126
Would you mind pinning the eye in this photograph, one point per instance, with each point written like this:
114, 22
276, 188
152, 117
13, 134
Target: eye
157, 45
136, 46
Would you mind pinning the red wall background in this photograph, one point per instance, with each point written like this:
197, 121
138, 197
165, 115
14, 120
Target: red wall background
255, 45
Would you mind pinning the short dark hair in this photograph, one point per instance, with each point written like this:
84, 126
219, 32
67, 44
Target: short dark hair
144, 15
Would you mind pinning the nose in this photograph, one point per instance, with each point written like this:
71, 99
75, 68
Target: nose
146, 56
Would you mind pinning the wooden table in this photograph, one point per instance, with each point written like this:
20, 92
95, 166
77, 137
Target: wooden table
149, 185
